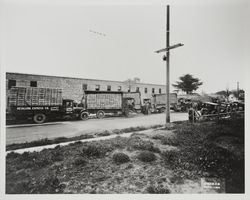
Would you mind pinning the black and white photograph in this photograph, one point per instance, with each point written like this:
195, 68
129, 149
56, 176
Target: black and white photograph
124, 97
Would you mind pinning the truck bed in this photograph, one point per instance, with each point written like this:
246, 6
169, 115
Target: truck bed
103, 100
29, 96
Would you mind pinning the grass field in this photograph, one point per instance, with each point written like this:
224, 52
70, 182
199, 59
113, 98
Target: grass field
167, 160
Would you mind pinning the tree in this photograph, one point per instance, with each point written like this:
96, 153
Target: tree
130, 83
188, 83
227, 92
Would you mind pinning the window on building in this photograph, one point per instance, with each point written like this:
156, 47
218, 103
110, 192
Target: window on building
84, 86
11, 83
97, 87
153, 90
137, 89
145, 90
159, 90
33, 83
109, 88
129, 90
119, 88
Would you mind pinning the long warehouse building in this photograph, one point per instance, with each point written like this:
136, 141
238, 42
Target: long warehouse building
73, 88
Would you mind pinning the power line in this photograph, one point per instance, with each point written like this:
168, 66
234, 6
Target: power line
98, 33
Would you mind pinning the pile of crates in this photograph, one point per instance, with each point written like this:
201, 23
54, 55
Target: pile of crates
31, 96
104, 101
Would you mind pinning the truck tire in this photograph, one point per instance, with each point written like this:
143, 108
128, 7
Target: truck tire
84, 115
39, 118
100, 114
162, 110
129, 113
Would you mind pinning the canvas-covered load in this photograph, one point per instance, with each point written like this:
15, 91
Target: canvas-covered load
31, 96
104, 101
161, 98
136, 96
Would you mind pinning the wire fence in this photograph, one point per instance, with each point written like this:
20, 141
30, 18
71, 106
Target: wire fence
195, 116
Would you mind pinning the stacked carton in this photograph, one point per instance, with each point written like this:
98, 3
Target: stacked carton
21, 96
41, 96
31, 96
104, 101
13, 96
35, 99
28, 96
47, 97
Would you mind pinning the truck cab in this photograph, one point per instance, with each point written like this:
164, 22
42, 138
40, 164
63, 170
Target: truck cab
71, 108
67, 106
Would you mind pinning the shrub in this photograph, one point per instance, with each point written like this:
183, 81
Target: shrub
146, 156
80, 161
169, 141
105, 133
157, 137
78, 143
138, 143
117, 131
57, 154
19, 187
48, 185
27, 156
59, 140
12, 155
120, 158
170, 156
213, 158
157, 190
95, 150
42, 161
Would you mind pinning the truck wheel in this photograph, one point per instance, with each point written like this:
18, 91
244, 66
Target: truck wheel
100, 114
84, 115
162, 110
39, 118
129, 113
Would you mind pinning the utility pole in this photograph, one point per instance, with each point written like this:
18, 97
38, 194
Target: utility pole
167, 59
167, 66
238, 90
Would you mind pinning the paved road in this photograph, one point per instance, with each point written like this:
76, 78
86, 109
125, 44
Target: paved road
22, 134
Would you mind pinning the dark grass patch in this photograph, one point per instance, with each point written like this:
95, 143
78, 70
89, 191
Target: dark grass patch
159, 189
80, 161
157, 137
137, 143
199, 153
47, 183
171, 140
45, 141
95, 150
170, 157
146, 156
105, 133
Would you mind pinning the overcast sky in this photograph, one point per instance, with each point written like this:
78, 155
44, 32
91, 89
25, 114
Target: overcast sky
57, 39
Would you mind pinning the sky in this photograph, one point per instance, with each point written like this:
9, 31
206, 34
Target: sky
59, 38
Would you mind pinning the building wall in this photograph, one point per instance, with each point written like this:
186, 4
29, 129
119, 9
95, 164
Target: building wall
73, 87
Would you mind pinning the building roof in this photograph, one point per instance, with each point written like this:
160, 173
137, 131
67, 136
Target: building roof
17, 73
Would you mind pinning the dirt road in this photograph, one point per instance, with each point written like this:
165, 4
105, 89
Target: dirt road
20, 134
